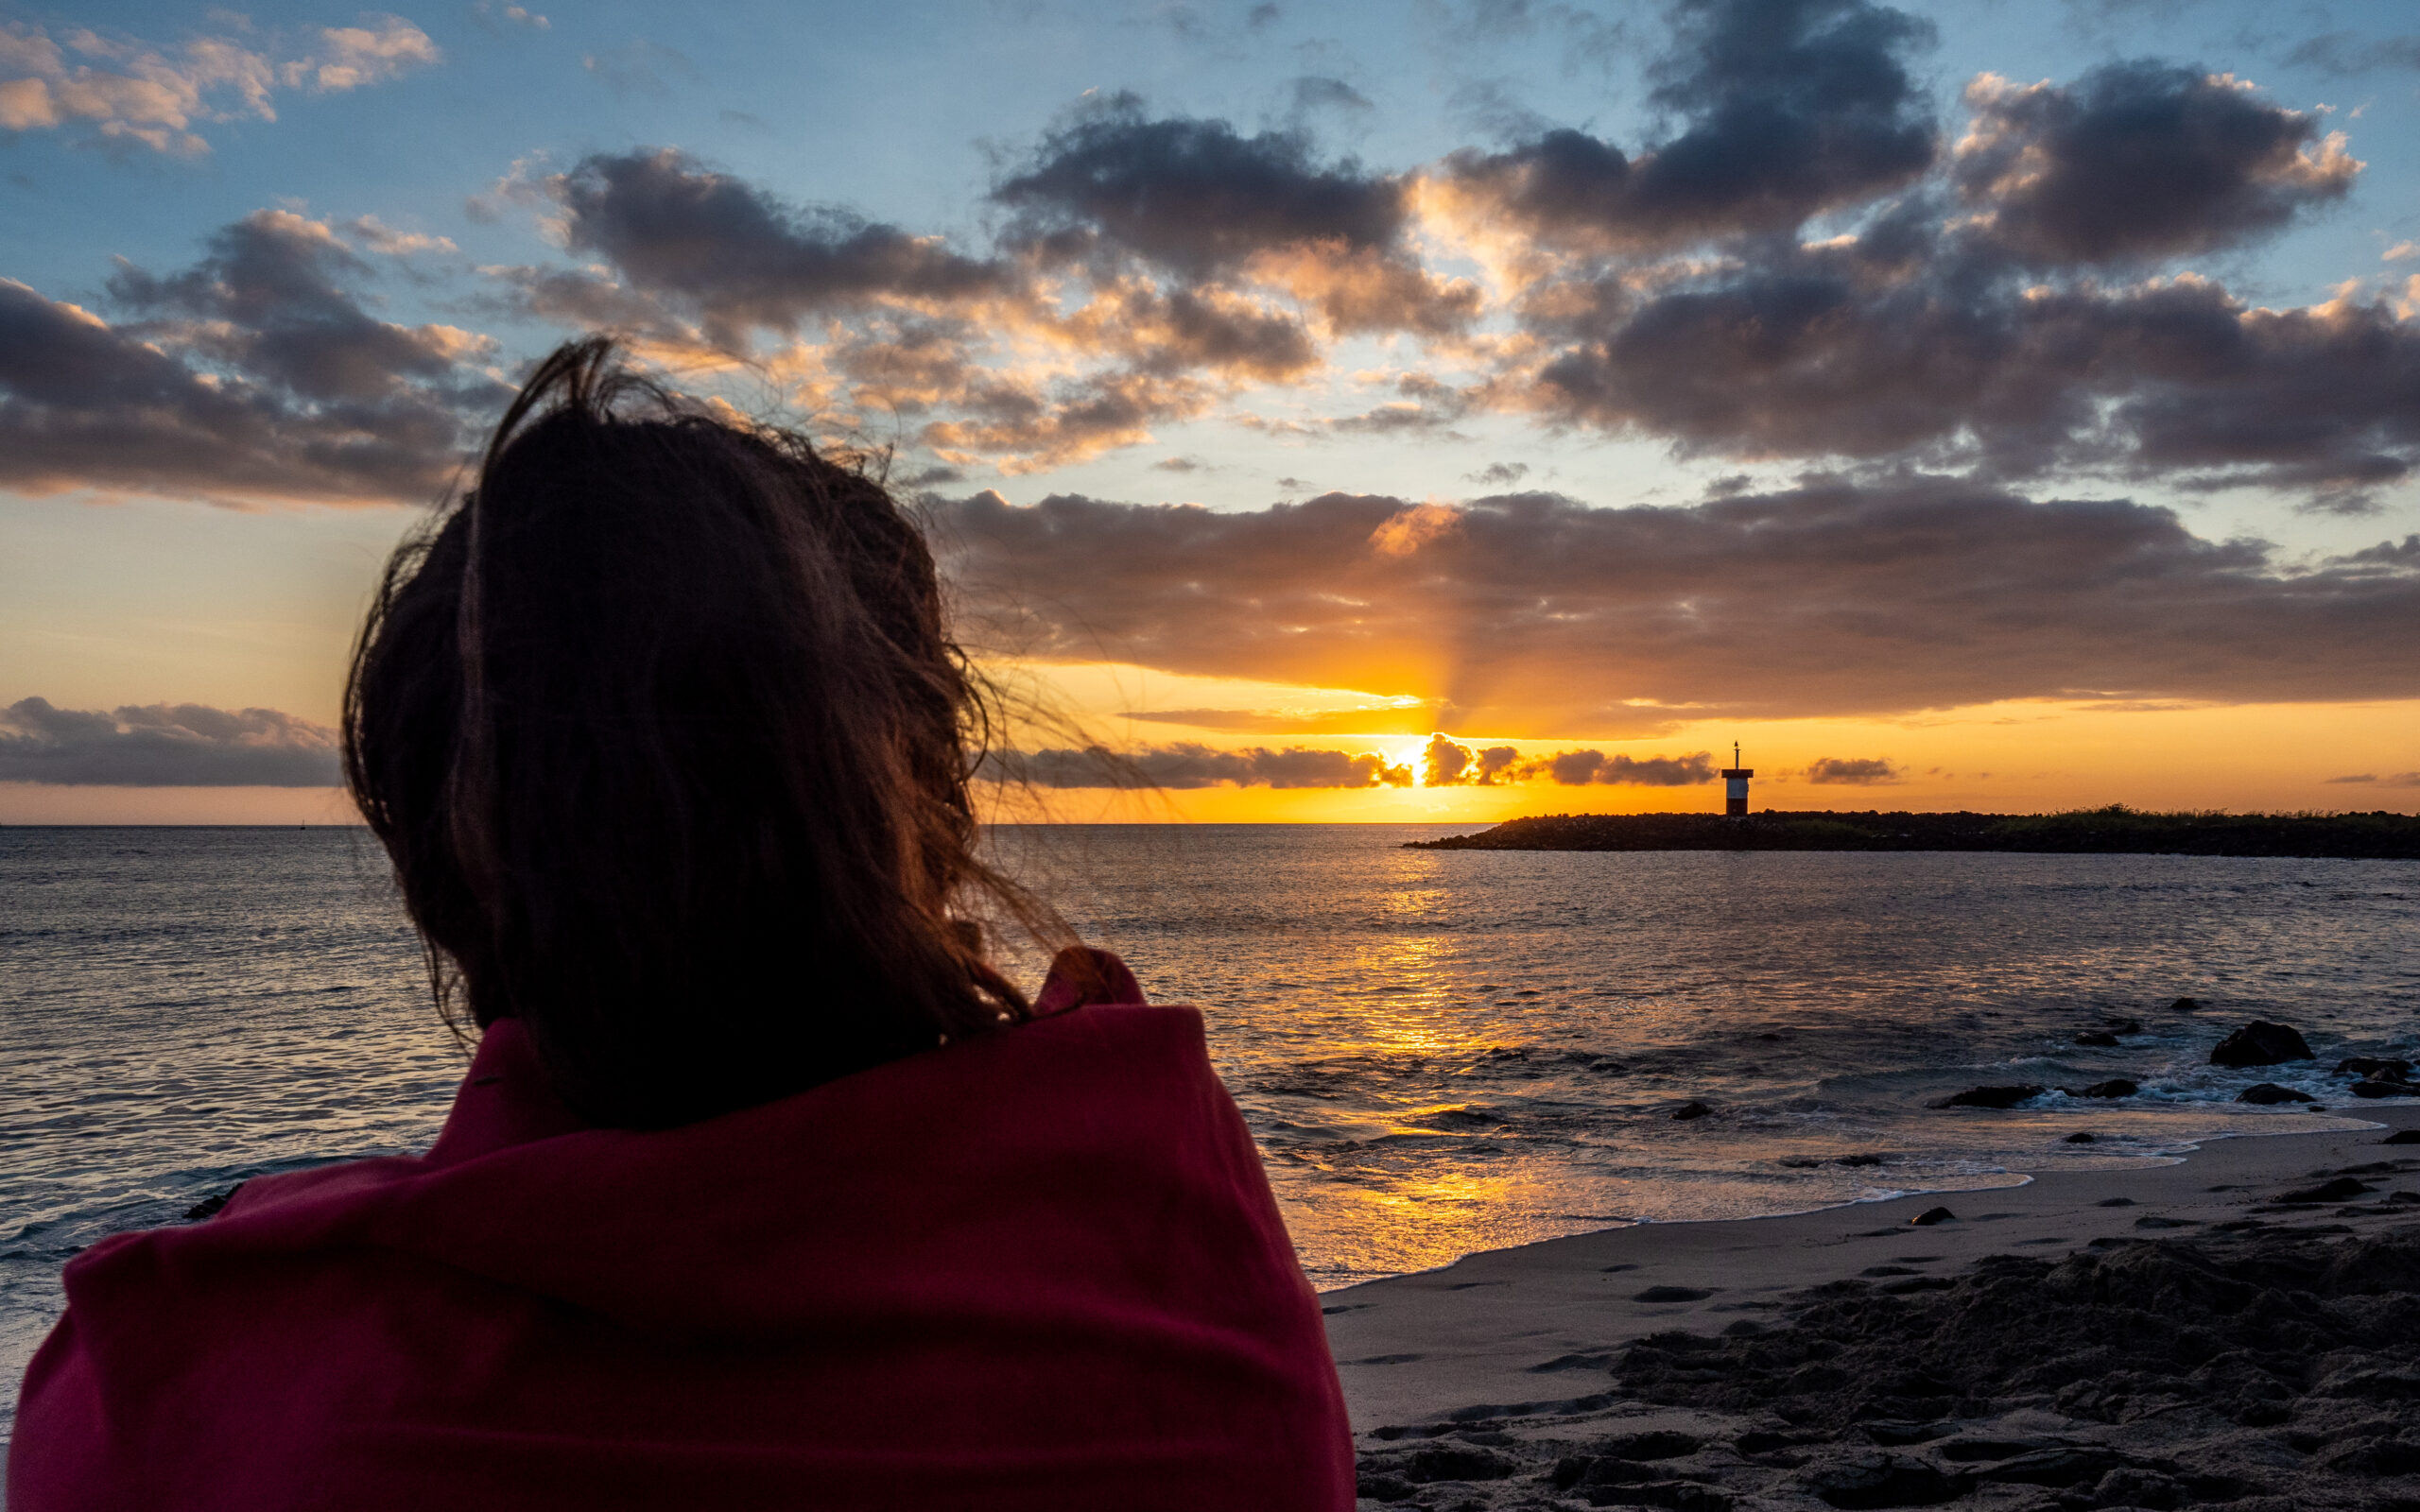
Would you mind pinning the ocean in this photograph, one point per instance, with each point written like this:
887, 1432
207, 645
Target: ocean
1439, 1052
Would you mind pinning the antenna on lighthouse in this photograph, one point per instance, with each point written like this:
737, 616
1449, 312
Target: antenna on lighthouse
1735, 786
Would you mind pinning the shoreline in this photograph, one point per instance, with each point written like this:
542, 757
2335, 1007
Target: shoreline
1536, 1344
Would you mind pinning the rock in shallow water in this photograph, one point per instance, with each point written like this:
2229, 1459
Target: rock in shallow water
2261, 1043
2268, 1094
1690, 1110
1988, 1097
2374, 1068
2113, 1087
2385, 1089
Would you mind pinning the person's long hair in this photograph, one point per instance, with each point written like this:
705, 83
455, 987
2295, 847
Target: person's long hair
666, 734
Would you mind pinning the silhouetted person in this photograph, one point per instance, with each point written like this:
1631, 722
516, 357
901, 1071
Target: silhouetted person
765, 1189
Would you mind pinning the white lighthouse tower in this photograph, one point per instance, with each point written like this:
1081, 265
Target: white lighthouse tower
1735, 786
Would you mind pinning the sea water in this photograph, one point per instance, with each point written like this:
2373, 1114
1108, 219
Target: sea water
1439, 1052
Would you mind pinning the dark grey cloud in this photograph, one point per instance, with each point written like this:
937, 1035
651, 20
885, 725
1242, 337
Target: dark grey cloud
2394, 779
1194, 195
1788, 108
164, 745
2140, 160
1447, 762
737, 257
1537, 614
1964, 323
2345, 54
1910, 343
1188, 765
1578, 766
257, 372
1858, 771
2387, 554
272, 299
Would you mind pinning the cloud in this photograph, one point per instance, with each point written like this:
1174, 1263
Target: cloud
516, 15
1190, 194
2345, 54
1575, 767
165, 746
640, 66
1387, 719
2012, 309
2395, 780
1901, 343
2140, 160
737, 258
255, 373
1316, 91
380, 237
1791, 107
1446, 763
1188, 764
1406, 530
1499, 475
1538, 613
1962, 322
128, 93
1862, 771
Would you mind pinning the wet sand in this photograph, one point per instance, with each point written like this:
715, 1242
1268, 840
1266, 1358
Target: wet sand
2171, 1336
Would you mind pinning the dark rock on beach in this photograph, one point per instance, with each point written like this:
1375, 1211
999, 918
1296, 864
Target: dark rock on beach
1881, 1480
2260, 1044
2268, 1093
1390, 1477
2259, 1370
1933, 1216
1988, 1097
2177, 1341
2402, 1136
2373, 1068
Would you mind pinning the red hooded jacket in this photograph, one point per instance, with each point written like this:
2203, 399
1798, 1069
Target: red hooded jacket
1038, 1269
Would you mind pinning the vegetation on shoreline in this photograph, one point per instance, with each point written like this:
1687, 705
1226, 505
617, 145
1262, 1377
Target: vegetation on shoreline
2114, 829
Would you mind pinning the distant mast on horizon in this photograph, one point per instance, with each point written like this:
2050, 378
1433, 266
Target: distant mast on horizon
1735, 786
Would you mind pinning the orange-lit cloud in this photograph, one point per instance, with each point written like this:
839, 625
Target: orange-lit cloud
1536, 614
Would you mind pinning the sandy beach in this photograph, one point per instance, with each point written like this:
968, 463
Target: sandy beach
2239, 1329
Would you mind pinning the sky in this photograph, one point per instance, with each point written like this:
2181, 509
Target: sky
1435, 411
